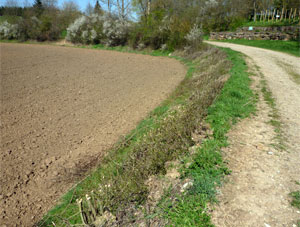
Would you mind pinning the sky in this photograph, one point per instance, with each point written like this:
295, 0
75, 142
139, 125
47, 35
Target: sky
82, 3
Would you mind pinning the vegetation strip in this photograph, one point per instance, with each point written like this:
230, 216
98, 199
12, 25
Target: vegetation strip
166, 135
290, 47
235, 102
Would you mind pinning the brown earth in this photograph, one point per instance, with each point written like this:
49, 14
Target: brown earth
262, 177
61, 109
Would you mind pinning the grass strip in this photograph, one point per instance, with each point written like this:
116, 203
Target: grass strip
290, 47
235, 102
164, 135
271, 23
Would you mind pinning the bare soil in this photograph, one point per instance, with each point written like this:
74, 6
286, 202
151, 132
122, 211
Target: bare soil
61, 109
262, 177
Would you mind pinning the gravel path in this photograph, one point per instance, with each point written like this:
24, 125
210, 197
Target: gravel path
262, 177
61, 109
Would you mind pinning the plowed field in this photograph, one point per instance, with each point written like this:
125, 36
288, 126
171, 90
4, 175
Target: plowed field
61, 109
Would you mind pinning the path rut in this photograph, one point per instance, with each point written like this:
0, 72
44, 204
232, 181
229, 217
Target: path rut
262, 177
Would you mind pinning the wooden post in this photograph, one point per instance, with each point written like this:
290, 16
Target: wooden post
266, 15
285, 15
291, 12
277, 15
295, 15
282, 13
261, 14
273, 15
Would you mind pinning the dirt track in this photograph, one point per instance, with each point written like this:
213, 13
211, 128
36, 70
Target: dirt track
60, 109
262, 177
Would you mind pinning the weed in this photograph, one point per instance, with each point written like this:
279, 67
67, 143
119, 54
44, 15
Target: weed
290, 70
275, 121
296, 199
236, 101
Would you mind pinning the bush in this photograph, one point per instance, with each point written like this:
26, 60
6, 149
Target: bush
195, 37
94, 29
160, 32
9, 31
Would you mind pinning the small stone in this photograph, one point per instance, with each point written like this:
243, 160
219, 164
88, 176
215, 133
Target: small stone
186, 186
9, 194
270, 153
267, 225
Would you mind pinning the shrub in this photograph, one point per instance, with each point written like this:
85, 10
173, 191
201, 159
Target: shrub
105, 29
195, 37
9, 31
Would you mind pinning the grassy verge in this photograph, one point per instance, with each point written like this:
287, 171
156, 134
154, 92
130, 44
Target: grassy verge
270, 23
235, 102
165, 135
290, 47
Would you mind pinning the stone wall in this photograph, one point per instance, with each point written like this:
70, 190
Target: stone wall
260, 33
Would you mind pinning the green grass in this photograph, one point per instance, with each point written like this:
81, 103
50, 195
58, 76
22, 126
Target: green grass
290, 47
270, 23
296, 199
275, 121
235, 102
163, 136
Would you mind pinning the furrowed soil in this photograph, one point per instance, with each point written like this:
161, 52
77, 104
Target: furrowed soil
61, 109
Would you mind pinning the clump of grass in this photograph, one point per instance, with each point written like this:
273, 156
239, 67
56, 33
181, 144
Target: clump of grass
119, 183
296, 199
290, 70
235, 102
275, 121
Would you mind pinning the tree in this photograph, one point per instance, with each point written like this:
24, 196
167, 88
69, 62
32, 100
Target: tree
123, 8
38, 7
89, 9
97, 8
108, 4
49, 3
70, 11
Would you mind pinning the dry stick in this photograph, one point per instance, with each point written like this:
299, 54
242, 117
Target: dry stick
92, 208
285, 14
82, 214
290, 14
265, 17
273, 15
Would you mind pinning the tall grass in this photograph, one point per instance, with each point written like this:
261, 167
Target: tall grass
235, 102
